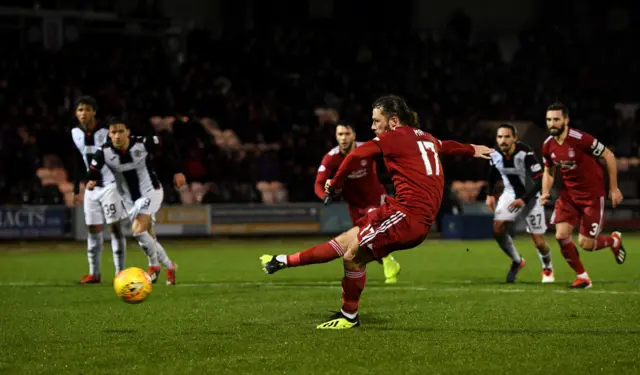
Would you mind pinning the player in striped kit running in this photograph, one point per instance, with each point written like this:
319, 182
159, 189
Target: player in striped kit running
517, 166
129, 157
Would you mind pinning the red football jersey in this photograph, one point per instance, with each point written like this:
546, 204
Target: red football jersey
411, 156
362, 189
577, 159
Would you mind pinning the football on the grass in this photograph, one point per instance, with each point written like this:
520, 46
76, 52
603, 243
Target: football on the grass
132, 285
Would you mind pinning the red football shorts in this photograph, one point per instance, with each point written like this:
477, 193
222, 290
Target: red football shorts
385, 230
356, 212
590, 215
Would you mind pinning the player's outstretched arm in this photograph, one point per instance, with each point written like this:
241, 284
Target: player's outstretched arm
612, 169
482, 152
352, 162
461, 149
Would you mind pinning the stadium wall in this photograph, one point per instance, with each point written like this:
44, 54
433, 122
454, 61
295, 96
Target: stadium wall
33, 222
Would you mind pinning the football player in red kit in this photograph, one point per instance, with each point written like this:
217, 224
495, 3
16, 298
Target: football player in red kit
362, 190
582, 199
400, 223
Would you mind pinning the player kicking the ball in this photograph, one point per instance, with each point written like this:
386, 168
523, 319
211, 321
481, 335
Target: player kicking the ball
129, 157
362, 189
400, 223
582, 198
515, 163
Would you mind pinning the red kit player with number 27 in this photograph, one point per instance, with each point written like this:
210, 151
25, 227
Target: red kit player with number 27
400, 223
582, 198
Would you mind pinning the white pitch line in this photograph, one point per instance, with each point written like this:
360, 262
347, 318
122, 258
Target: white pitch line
378, 287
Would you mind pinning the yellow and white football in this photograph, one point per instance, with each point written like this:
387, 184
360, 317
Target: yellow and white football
132, 285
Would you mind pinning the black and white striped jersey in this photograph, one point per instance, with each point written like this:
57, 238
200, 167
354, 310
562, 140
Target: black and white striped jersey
88, 143
134, 165
516, 170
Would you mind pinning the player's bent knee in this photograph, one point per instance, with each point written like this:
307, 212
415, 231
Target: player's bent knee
586, 243
542, 246
140, 224
499, 228
363, 258
95, 228
563, 232
351, 265
347, 238
538, 241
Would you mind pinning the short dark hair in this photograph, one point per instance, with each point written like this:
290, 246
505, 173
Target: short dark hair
346, 124
116, 121
558, 106
507, 125
393, 105
88, 101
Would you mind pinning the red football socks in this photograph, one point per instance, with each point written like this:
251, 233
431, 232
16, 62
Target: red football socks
323, 253
570, 253
603, 242
352, 286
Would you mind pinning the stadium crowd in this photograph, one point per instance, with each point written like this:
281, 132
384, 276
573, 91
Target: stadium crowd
254, 113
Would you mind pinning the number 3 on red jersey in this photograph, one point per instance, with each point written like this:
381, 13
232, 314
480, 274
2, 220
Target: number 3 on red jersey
424, 146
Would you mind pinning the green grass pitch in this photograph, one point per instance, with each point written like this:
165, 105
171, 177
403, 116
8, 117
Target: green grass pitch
450, 313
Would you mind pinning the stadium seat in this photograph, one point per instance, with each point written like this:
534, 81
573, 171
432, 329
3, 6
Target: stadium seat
65, 187
467, 191
59, 175
199, 190
266, 192
68, 199
622, 164
279, 191
46, 176
43, 173
186, 196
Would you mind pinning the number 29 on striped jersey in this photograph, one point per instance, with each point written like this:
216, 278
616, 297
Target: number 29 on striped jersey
424, 146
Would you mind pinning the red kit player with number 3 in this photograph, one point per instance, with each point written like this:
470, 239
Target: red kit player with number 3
582, 198
400, 223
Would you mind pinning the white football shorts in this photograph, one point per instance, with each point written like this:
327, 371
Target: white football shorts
103, 205
148, 204
533, 213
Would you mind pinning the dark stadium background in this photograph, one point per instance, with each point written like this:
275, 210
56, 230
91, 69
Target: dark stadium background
251, 90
